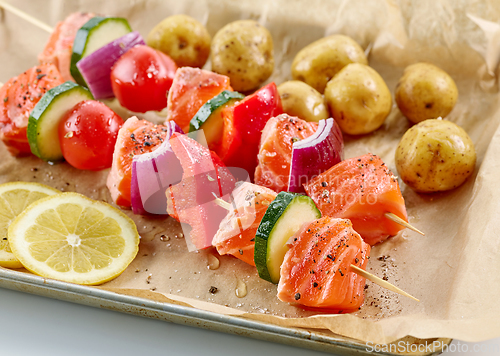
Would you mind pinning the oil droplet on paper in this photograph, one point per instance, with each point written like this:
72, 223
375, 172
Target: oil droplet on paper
213, 262
241, 289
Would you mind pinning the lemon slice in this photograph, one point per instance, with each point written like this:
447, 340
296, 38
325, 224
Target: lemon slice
74, 239
14, 198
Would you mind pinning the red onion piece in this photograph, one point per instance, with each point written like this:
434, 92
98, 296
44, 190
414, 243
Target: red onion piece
152, 174
315, 154
96, 67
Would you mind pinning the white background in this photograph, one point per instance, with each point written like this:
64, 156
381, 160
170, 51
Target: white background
32, 325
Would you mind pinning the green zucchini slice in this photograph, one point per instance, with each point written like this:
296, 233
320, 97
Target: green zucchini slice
95, 33
283, 218
44, 120
209, 116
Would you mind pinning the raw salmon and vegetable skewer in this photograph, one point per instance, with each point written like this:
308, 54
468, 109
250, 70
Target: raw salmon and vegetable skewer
284, 229
247, 226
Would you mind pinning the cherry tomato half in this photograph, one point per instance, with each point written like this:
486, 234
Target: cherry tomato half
87, 134
141, 79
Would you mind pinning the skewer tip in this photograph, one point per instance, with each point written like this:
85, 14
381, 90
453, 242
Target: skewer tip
379, 281
401, 222
222, 203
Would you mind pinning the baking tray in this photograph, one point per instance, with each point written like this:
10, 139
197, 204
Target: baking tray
95, 297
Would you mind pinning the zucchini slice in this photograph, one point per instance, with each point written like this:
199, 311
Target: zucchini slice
95, 33
44, 120
283, 218
209, 118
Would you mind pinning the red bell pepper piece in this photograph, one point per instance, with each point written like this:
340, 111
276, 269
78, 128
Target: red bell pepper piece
192, 200
243, 125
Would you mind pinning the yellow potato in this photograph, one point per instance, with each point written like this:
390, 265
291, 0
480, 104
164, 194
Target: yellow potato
243, 50
435, 155
359, 99
182, 38
318, 62
299, 99
425, 92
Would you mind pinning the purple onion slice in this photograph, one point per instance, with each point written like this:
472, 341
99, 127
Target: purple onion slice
96, 67
315, 154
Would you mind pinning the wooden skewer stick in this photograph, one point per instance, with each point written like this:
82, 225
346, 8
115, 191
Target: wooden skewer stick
400, 221
222, 203
25, 16
381, 282
357, 270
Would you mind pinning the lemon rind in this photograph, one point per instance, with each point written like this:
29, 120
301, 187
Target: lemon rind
8, 259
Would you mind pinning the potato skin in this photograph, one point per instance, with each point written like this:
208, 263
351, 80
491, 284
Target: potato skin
358, 98
183, 39
425, 92
435, 155
243, 50
301, 100
318, 62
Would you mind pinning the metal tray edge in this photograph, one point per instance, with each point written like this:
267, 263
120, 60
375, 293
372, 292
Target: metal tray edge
95, 297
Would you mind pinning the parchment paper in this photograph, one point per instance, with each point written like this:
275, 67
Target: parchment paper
453, 270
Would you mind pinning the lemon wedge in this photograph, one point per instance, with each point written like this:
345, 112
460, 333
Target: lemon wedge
74, 239
14, 198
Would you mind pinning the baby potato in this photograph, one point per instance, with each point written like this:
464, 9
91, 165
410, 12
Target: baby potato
183, 39
300, 99
425, 92
243, 50
318, 62
359, 99
435, 155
